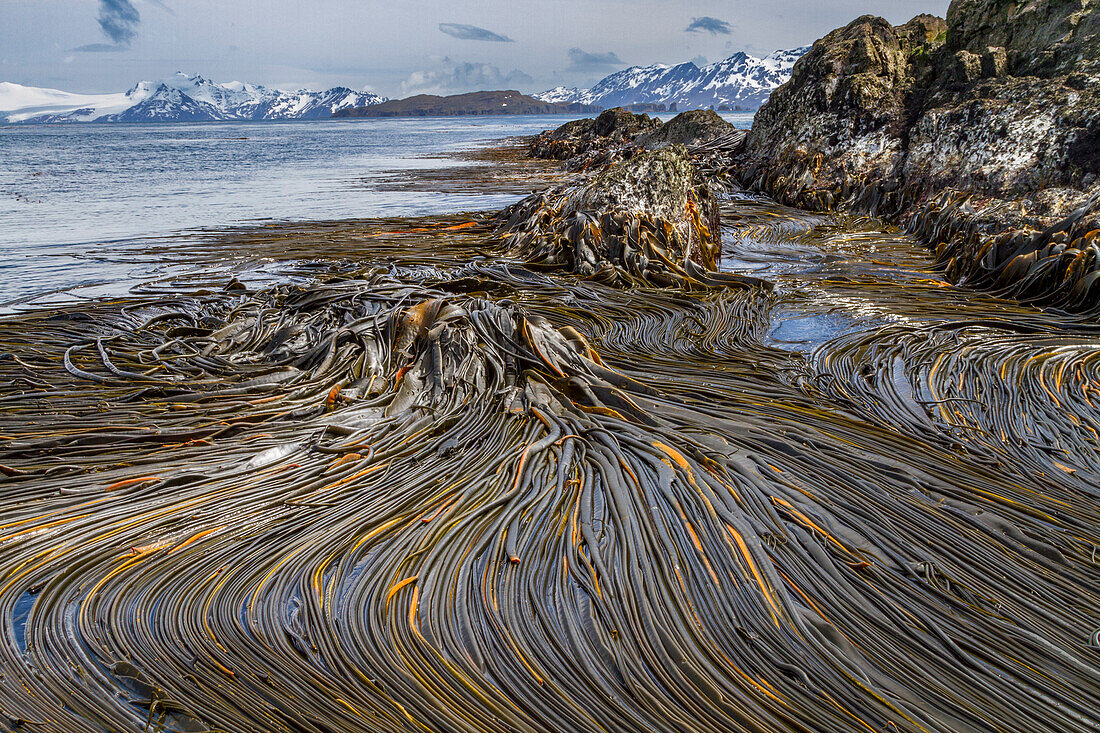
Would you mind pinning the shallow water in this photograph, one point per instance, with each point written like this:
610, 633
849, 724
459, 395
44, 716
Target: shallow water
355, 476
73, 195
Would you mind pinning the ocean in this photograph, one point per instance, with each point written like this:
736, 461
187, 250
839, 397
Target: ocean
75, 200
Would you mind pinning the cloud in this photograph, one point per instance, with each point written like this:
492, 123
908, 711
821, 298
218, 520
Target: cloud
463, 76
119, 19
584, 61
99, 48
706, 24
472, 33
700, 61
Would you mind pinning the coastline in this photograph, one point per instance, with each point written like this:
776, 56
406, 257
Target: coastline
635, 446
984, 156
370, 455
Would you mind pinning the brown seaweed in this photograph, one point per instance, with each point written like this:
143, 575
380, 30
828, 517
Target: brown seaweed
418, 484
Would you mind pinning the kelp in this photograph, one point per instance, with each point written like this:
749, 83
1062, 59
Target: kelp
651, 220
402, 489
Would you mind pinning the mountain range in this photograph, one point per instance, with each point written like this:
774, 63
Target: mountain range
741, 81
180, 98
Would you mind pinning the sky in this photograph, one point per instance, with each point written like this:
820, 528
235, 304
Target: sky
400, 47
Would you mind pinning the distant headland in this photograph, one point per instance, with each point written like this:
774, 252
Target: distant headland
509, 102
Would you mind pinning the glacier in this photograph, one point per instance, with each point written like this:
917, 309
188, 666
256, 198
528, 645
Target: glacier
180, 98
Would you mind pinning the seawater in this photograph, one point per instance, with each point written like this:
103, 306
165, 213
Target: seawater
74, 196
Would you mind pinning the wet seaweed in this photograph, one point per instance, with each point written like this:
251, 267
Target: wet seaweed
407, 478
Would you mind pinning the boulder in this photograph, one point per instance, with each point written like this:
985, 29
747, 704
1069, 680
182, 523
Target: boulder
691, 128
651, 219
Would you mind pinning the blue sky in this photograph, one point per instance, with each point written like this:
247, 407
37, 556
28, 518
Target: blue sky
399, 47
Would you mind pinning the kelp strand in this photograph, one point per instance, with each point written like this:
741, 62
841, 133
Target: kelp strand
408, 489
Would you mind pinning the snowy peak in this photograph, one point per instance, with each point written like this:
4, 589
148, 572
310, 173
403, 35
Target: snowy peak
740, 81
179, 98
559, 94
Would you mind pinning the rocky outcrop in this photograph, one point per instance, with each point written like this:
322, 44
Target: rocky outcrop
690, 128
1036, 37
848, 100
618, 134
978, 129
651, 219
613, 129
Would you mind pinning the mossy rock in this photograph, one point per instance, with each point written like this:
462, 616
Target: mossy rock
1042, 37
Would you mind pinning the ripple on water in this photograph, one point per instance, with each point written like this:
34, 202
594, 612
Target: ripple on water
807, 332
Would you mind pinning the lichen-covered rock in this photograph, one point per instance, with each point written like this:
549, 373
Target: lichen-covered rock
651, 218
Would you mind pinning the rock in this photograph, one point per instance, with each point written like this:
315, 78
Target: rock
994, 62
569, 140
651, 219
984, 128
687, 128
617, 135
1041, 37
618, 125
848, 99
611, 129
1007, 139
967, 67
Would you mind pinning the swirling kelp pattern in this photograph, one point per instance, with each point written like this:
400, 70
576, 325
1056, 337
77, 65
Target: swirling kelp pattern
406, 489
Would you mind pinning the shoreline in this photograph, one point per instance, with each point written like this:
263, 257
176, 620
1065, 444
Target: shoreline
422, 444
642, 450
985, 156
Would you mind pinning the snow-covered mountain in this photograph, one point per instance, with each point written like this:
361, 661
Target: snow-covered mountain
739, 81
181, 98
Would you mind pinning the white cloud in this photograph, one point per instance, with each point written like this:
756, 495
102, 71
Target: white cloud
462, 76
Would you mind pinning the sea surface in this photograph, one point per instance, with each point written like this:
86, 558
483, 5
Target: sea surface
72, 196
